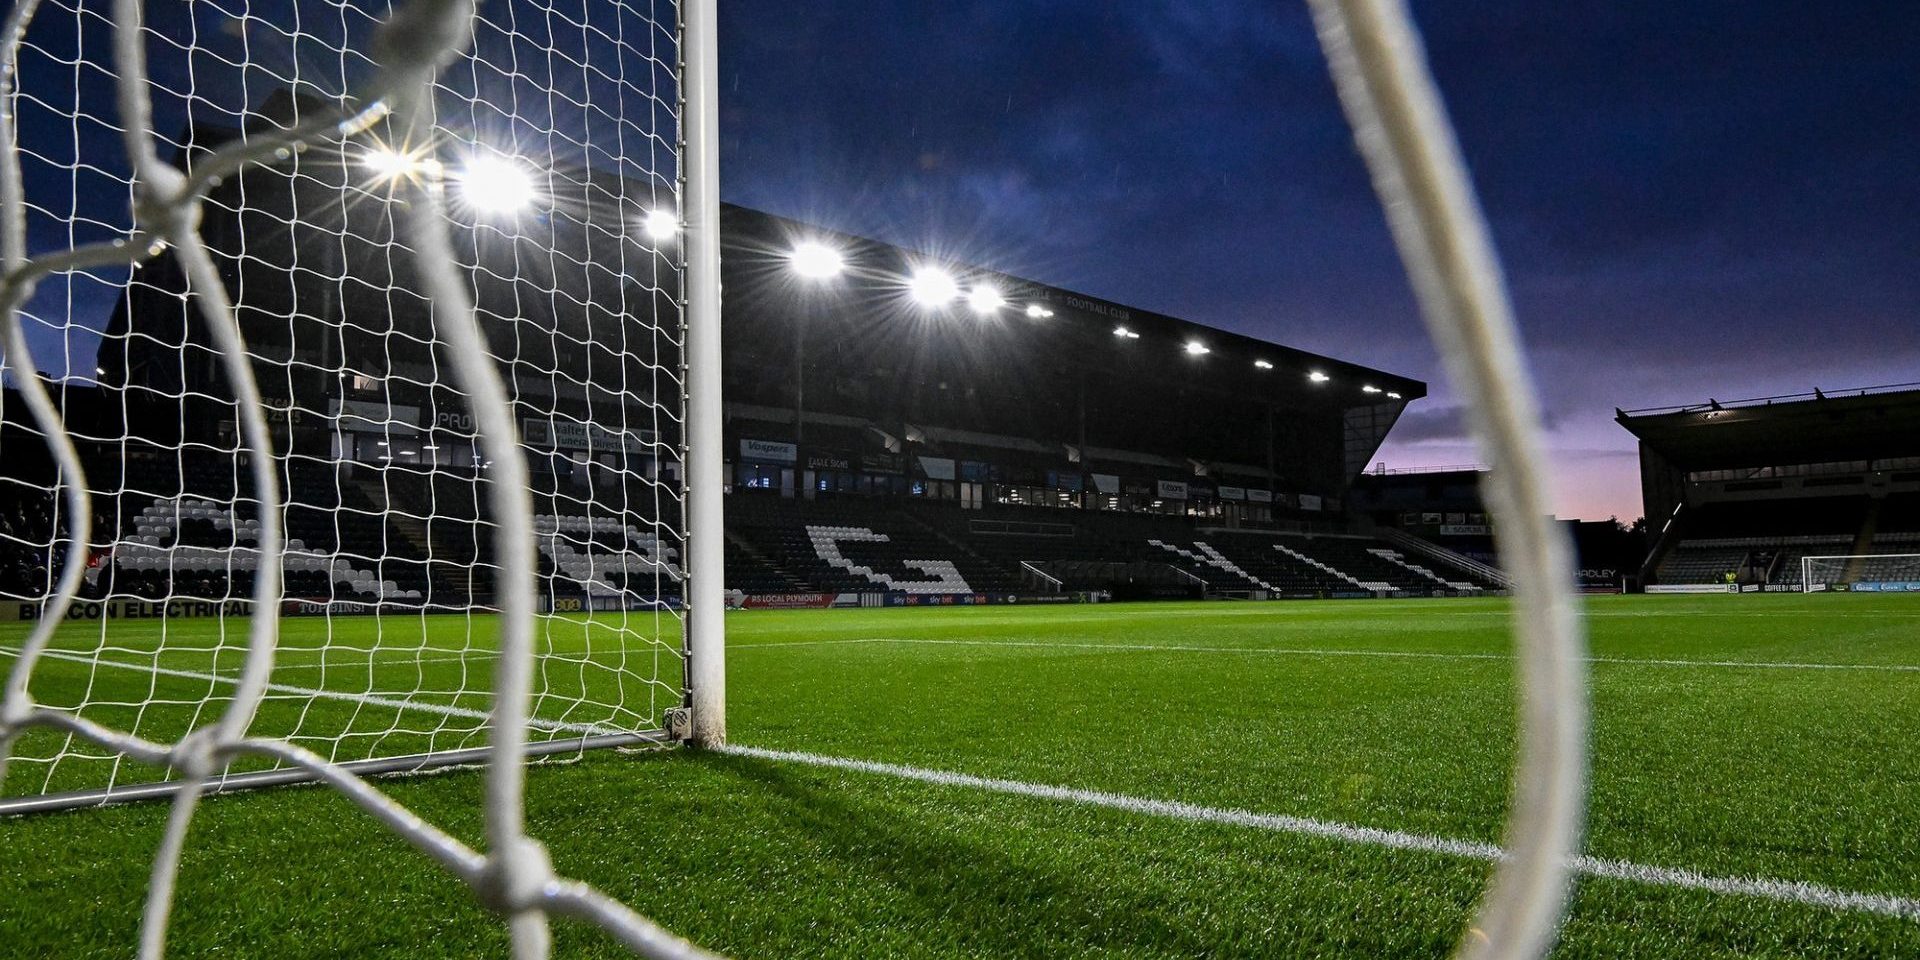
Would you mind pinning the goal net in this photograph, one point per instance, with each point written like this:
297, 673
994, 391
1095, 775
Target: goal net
556, 134
1862, 573
344, 421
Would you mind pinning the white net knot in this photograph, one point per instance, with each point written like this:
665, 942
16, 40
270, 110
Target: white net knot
15, 712
161, 206
195, 756
514, 877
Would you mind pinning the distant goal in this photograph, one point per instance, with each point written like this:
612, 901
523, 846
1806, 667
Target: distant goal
1861, 573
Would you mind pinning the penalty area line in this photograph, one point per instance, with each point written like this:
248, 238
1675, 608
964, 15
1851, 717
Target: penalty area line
1783, 891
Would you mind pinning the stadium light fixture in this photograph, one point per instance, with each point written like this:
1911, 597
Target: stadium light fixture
1392, 396
985, 299
1369, 388
661, 225
1263, 364
816, 261
1125, 333
1038, 312
497, 185
932, 287
1196, 348
1318, 377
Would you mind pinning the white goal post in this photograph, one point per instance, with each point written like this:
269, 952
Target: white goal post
1861, 573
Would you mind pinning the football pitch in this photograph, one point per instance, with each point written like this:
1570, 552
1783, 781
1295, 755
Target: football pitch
1321, 779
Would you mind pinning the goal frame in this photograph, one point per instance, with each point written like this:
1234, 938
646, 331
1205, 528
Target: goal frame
1806, 566
701, 719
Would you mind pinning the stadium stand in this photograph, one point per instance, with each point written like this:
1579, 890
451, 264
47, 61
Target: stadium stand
1043, 457
1750, 488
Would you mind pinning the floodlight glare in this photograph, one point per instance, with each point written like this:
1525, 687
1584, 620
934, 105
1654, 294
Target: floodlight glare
816, 261
1262, 364
1318, 377
661, 224
933, 287
1196, 348
986, 299
1124, 332
1369, 388
1392, 396
495, 184
387, 164
1038, 312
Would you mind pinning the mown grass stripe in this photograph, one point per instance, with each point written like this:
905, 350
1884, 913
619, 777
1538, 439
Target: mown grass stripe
1336, 652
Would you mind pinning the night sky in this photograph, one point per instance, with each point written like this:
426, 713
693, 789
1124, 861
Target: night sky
1692, 199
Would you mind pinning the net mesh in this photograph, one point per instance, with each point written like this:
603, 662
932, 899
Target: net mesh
556, 133
379, 307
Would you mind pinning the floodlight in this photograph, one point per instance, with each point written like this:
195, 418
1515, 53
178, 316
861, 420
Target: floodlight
1392, 396
1318, 377
816, 261
661, 224
495, 184
932, 287
1038, 312
1126, 333
986, 299
1369, 388
1196, 348
1263, 364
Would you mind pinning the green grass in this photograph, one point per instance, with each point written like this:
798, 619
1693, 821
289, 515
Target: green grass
1802, 774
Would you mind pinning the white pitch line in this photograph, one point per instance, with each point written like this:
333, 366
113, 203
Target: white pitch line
1784, 891
551, 726
1336, 652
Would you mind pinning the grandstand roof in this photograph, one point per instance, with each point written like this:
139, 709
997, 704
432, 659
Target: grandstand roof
1048, 365
1082, 326
1874, 423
